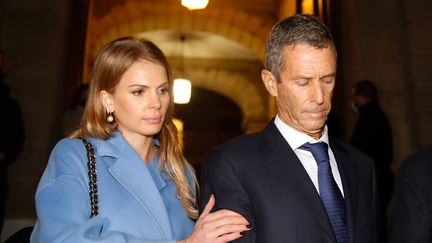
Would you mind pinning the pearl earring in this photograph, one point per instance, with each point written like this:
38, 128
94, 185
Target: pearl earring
110, 117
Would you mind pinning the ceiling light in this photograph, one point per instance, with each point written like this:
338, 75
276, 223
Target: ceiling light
182, 91
182, 88
194, 4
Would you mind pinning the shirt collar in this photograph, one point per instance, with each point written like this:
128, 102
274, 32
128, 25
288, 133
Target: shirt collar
296, 138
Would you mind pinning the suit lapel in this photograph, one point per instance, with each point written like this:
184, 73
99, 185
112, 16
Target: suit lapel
285, 165
130, 171
347, 171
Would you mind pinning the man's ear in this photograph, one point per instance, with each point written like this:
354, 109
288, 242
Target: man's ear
269, 81
107, 100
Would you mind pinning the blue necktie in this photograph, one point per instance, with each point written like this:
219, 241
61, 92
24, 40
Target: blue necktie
330, 194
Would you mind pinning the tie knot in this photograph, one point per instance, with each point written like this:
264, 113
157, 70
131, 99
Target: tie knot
319, 151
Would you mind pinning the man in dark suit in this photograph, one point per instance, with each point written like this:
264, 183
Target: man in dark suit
412, 220
277, 179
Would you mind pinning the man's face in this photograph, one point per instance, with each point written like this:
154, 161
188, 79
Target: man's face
304, 91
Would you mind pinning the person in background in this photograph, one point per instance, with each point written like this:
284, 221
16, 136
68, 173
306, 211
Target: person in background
146, 188
12, 135
412, 218
292, 181
372, 134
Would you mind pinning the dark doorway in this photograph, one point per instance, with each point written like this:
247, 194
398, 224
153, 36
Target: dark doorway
209, 119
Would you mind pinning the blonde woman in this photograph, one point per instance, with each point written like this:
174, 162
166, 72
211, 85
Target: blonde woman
146, 188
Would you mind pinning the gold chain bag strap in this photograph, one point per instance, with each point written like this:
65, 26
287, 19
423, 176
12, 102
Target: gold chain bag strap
91, 164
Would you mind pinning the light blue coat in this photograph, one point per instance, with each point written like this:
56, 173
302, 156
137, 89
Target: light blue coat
135, 203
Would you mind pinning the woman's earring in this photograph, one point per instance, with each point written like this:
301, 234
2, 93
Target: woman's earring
110, 117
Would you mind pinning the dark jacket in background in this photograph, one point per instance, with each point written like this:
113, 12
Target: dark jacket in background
12, 137
12, 132
372, 134
412, 220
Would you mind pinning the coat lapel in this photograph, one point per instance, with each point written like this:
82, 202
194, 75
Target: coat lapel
347, 170
284, 164
130, 171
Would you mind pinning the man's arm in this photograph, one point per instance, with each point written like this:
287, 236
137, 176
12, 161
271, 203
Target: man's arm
220, 179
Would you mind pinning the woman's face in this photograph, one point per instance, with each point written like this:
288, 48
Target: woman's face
140, 100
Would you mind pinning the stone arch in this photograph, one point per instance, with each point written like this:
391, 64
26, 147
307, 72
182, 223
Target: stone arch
133, 17
234, 86
245, 29
149, 23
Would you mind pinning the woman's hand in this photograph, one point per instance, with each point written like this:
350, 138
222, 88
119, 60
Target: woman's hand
220, 226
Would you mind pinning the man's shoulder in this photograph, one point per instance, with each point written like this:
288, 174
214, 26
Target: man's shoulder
423, 154
268, 135
420, 161
242, 150
240, 143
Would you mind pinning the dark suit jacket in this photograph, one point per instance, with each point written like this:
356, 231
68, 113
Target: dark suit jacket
412, 220
260, 177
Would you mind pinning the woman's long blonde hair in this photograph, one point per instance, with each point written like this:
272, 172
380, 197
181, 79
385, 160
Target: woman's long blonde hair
111, 63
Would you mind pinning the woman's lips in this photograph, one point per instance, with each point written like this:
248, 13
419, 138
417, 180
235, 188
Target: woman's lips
153, 120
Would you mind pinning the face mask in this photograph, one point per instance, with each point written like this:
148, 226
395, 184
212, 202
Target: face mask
355, 108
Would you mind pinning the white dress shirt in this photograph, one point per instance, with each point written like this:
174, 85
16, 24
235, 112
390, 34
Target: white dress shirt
296, 139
